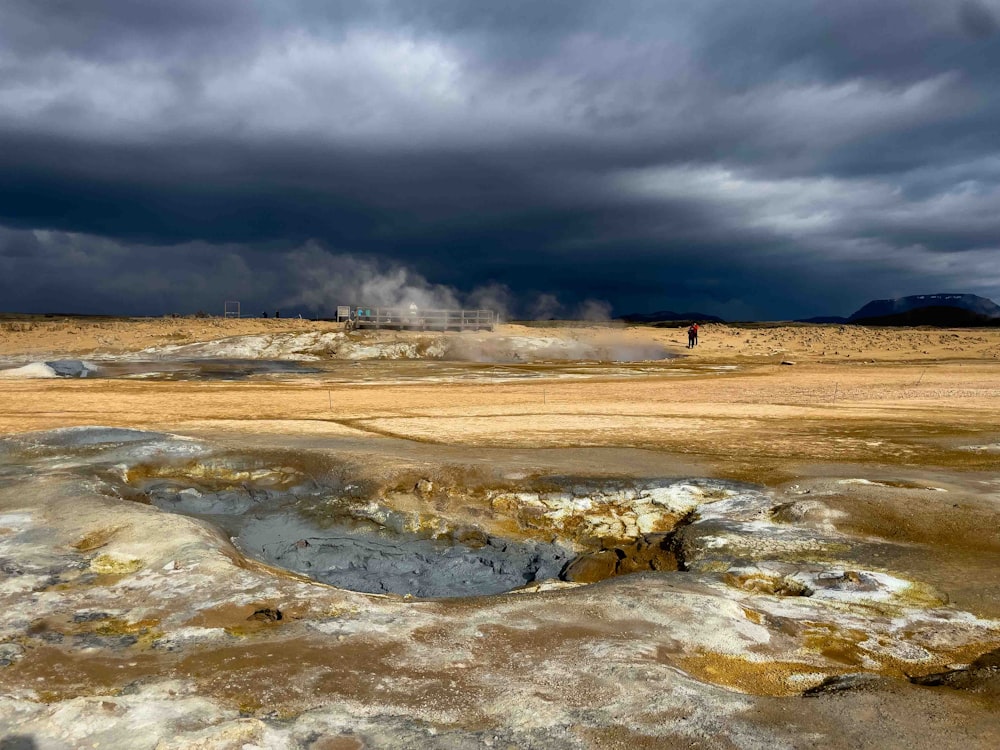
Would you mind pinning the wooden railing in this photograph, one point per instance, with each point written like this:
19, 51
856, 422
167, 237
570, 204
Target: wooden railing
422, 320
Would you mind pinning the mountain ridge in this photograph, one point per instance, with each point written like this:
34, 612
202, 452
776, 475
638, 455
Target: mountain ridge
881, 308
663, 316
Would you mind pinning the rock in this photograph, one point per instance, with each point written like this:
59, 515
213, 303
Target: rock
762, 582
91, 616
981, 675
110, 707
424, 487
989, 660
787, 362
650, 552
591, 568
850, 580
843, 682
9, 653
266, 614
471, 537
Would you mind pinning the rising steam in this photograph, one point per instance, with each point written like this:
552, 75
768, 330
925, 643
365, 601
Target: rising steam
325, 280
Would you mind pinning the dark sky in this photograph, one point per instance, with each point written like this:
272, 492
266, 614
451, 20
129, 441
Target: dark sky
766, 159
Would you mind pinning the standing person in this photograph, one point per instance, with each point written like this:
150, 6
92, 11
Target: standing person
692, 337
277, 313
695, 327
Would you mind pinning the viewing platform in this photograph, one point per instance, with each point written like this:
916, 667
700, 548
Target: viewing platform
415, 319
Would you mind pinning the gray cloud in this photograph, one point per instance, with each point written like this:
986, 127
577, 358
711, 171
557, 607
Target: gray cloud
978, 19
769, 159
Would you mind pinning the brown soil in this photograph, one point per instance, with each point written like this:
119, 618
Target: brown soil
903, 404
82, 336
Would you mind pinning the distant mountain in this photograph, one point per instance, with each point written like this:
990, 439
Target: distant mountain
823, 319
979, 307
664, 316
936, 315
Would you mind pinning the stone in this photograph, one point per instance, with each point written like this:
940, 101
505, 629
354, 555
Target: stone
266, 614
591, 568
10, 653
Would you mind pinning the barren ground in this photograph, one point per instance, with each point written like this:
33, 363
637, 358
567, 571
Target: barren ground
884, 444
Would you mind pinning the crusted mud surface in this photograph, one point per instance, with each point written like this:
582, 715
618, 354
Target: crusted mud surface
468, 549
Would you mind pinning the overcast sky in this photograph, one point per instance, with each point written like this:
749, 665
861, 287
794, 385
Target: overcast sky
757, 159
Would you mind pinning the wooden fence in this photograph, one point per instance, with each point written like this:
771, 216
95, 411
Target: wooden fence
421, 320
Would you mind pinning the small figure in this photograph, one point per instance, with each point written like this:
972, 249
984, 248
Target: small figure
277, 313
692, 337
264, 314
695, 327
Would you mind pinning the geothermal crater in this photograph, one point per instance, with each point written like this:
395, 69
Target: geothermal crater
370, 549
546, 530
774, 599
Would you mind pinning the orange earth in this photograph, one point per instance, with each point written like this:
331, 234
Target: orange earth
895, 432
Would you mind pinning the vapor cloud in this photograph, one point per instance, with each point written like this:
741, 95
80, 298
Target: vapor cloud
323, 281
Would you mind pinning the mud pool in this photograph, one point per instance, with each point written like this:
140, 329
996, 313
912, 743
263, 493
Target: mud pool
432, 538
369, 552
196, 369
240, 582
358, 372
338, 534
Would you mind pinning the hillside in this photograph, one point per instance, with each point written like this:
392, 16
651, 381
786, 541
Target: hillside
939, 316
664, 316
886, 310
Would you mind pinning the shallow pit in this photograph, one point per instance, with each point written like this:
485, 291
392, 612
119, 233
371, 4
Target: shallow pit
361, 544
372, 559
426, 539
457, 532
364, 547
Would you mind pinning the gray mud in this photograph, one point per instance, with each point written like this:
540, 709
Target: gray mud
350, 551
78, 437
205, 369
377, 561
352, 371
73, 368
312, 514
174, 370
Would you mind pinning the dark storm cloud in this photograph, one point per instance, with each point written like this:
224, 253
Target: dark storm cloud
758, 159
978, 19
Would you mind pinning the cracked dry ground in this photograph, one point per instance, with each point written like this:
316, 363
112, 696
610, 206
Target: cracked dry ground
816, 549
